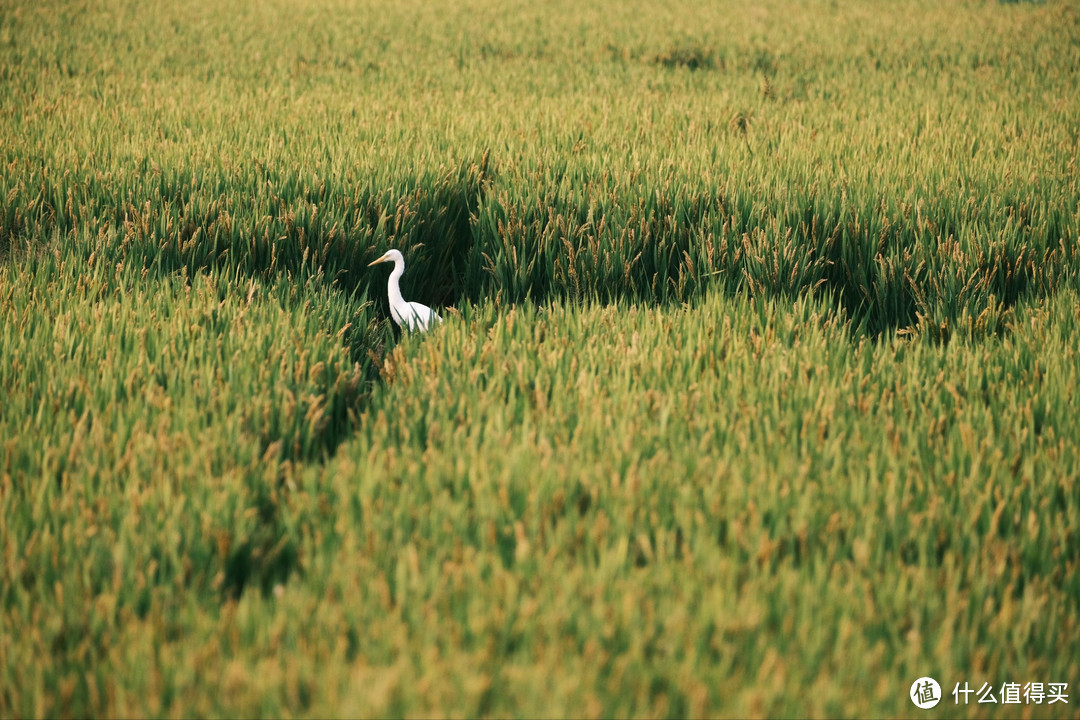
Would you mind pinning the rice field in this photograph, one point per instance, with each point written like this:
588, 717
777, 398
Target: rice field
755, 393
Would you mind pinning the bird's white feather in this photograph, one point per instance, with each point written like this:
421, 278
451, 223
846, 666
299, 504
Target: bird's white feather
411, 315
414, 315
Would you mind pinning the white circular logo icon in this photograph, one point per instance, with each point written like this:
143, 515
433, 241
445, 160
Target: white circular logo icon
925, 693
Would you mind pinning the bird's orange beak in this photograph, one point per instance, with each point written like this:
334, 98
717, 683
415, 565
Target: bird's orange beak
382, 259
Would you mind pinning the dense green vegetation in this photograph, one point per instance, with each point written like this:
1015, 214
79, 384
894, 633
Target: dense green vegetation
755, 393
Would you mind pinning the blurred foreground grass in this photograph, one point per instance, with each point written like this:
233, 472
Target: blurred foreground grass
729, 508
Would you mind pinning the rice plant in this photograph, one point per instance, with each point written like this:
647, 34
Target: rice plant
754, 394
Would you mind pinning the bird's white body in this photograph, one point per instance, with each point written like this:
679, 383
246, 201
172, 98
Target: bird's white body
410, 315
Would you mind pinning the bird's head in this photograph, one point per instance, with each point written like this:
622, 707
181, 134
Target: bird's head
389, 256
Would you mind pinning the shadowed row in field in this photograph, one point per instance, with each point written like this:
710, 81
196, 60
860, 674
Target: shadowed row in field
932, 264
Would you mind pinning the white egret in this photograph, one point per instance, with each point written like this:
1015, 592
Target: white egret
411, 315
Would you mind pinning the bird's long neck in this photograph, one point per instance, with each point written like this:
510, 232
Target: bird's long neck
392, 288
